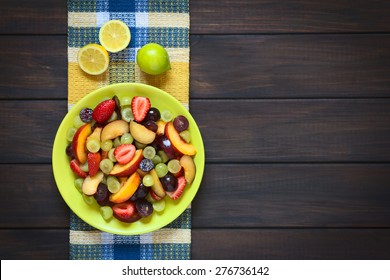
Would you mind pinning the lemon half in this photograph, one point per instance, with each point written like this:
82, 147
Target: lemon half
93, 59
114, 35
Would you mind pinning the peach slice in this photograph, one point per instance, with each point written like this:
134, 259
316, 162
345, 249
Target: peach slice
157, 186
141, 134
189, 168
95, 134
91, 183
177, 142
114, 129
79, 141
127, 190
123, 170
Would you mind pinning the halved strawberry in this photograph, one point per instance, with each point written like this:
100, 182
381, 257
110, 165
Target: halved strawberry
93, 163
154, 195
75, 166
126, 212
181, 183
103, 111
140, 107
124, 153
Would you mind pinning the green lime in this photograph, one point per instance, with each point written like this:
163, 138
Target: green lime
153, 59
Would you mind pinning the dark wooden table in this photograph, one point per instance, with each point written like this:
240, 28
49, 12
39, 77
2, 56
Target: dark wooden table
292, 98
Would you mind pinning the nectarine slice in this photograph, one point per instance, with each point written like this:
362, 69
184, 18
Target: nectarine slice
123, 170
141, 134
127, 190
189, 167
79, 141
177, 142
114, 129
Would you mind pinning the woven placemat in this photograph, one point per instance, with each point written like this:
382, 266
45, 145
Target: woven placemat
162, 22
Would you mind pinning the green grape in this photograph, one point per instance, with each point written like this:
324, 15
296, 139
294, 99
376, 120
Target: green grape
161, 169
156, 160
78, 183
125, 101
127, 114
127, 138
139, 145
166, 115
111, 155
113, 184
185, 135
174, 166
93, 145
84, 166
106, 145
88, 199
113, 117
117, 142
159, 205
77, 122
149, 152
70, 133
106, 212
148, 180
106, 165
153, 59
163, 156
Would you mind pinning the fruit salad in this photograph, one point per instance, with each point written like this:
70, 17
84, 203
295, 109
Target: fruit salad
129, 157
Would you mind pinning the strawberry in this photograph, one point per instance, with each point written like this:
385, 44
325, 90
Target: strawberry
140, 107
124, 153
126, 212
75, 166
181, 183
103, 111
93, 163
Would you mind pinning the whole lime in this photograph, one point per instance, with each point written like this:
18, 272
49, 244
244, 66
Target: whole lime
153, 59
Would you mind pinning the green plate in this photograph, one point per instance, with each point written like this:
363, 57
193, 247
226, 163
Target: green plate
64, 177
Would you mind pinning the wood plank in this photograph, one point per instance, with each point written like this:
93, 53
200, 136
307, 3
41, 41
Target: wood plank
221, 17
34, 244
290, 66
33, 17
291, 195
241, 196
320, 130
33, 67
28, 129
282, 66
296, 16
269, 244
266, 244
33, 200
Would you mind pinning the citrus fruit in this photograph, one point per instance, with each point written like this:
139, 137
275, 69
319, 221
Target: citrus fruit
114, 35
93, 59
153, 59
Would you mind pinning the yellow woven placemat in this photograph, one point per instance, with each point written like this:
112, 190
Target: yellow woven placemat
162, 22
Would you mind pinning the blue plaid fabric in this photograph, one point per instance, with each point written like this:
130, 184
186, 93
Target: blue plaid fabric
164, 22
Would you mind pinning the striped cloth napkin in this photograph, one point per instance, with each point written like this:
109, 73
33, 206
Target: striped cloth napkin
165, 22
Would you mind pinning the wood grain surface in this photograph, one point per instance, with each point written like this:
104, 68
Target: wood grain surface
292, 100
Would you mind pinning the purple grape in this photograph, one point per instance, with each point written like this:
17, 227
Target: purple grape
151, 125
69, 151
180, 123
153, 114
86, 115
166, 145
141, 192
102, 195
146, 165
169, 182
143, 207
